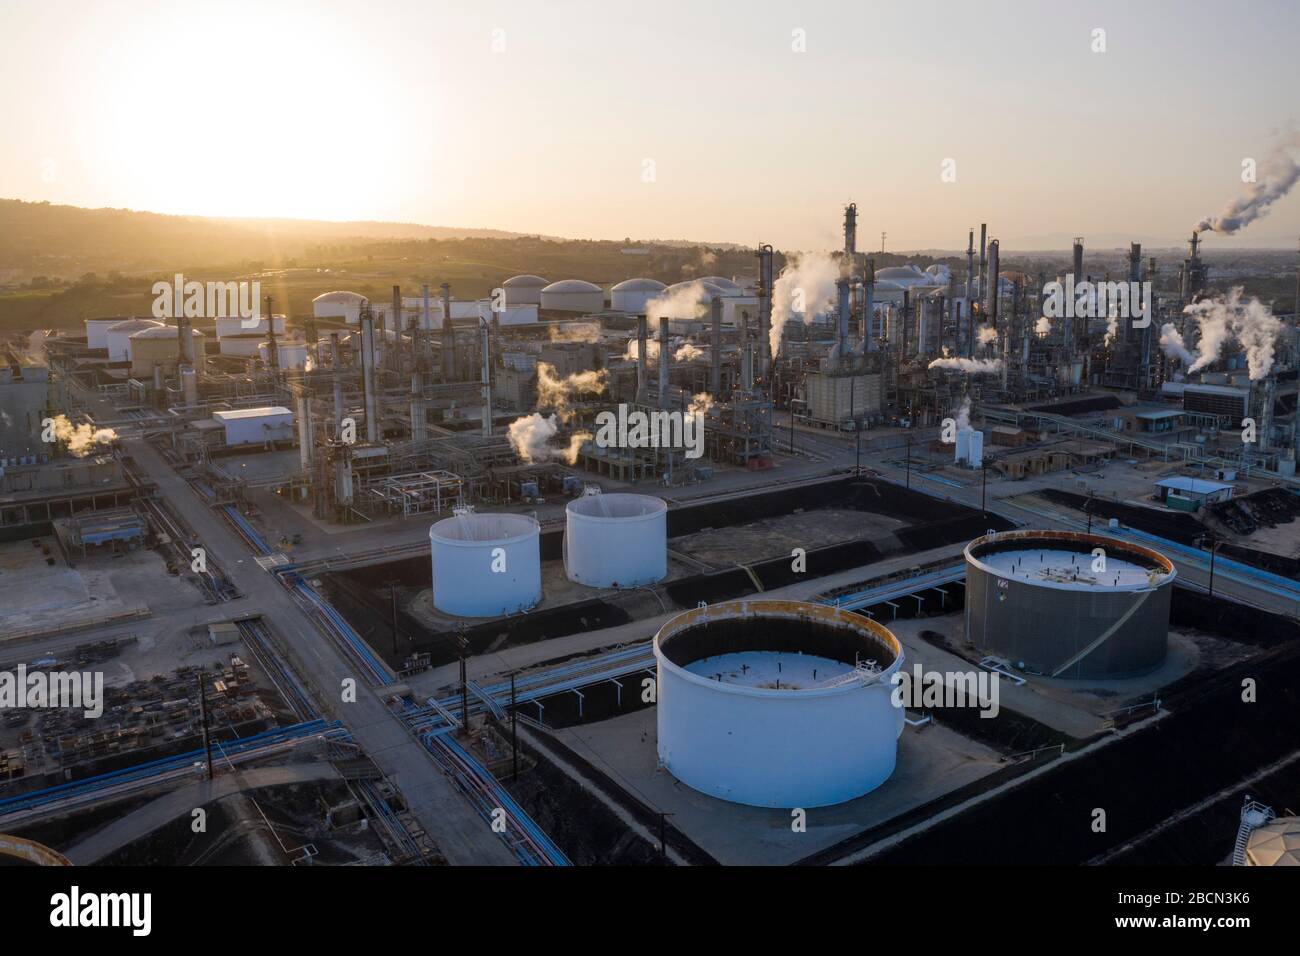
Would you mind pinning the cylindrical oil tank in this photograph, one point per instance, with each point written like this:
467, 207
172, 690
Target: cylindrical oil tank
632, 295
571, 295
524, 290
1068, 604
616, 541
97, 331
777, 703
118, 337
486, 564
159, 346
338, 305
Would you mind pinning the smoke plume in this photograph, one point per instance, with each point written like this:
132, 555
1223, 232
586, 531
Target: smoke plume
963, 414
806, 287
701, 404
968, 366
558, 393
986, 335
687, 353
1275, 176
575, 332
633, 348
1251, 325
530, 437
81, 439
1043, 325
691, 301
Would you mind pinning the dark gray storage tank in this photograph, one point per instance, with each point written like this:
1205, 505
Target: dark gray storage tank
1041, 600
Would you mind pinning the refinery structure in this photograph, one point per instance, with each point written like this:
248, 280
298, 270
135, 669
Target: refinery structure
648, 565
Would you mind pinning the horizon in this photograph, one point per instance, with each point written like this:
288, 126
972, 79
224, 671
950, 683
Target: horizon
632, 144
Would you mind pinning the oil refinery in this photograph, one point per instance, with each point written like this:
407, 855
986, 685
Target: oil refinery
897, 524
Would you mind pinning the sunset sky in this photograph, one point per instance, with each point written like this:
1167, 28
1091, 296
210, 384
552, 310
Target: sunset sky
404, 111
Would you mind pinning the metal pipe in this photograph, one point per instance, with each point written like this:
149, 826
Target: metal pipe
842, 338
448, 337
418, 423
487, 377
368, 373
715, 347
663, 361
642, 343
869, 336
765, 283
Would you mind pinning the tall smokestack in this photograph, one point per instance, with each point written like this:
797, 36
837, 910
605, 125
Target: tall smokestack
417, 409
306, 436
869, 336
368, 373
336, 363
642, 338
842, 339
448, 337
991, 284
273, 347
850, 238
970, 264
398, 327
984, 232
487, 377
663, 361
715, 348
765, 282
746, 355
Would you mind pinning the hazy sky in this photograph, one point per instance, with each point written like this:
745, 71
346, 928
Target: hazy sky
404, 111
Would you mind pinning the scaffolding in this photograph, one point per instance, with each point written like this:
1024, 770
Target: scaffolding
417, 493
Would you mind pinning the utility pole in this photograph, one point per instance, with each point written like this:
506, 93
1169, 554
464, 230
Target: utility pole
909, 460
203, 712
882, 243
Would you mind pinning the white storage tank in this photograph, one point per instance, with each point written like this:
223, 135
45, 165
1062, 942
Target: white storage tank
97, 331
777, 703
631, 295
118, 337
572, 295
232, 325
255, 426
616, 541
338, 305
485, 565
524, 290
292, 355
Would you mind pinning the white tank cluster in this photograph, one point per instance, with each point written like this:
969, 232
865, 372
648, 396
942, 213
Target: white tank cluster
117, 337
777, 703
616, 541
338, 305
485, 565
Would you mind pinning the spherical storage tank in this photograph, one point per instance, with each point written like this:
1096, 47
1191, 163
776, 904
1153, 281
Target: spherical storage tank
1067, 604
616, 541
524, 290
631, 295
485, 564
777, 703
572, 295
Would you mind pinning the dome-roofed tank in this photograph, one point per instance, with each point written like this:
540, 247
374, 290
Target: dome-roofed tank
616, 540
524, 289
338, 305
777, 703
572, 295
118, 336
485, 565
631, 295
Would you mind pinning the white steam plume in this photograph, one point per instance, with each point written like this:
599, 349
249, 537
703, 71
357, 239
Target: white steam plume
558, 393
968, 366
575, 332
691, 301
1043, 325
81, 439
986, 335
1274, 177
806, 286
651, 349
963, 414
530, 437
1171, 341
1221, 320
687, 353
700, 404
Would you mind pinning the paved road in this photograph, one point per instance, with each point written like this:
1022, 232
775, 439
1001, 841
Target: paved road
463, 837
142, 821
